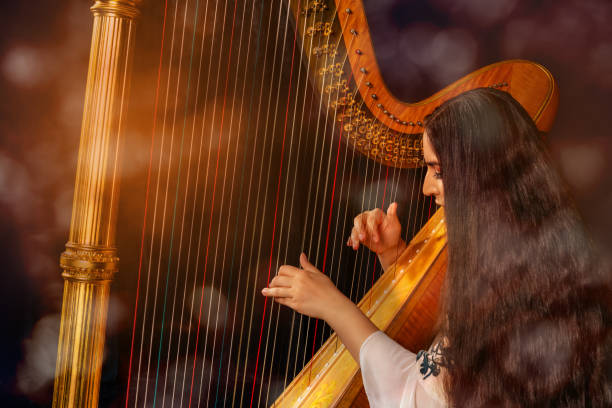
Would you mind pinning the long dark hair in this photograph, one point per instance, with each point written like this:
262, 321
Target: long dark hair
525, 311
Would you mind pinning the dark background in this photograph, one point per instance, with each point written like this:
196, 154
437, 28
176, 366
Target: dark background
421, 47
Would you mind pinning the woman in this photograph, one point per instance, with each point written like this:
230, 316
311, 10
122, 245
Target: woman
525, 317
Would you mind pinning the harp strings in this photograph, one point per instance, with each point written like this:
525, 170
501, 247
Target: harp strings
366, 256
217, 315
329, 160
311, 220
236, 230
261, 384
202, 213
335, 238
174, 210
206, 11
308, 204
255, 217
307, 50
346, 210
317, 216
294, 185
244, 303
222, 205
282, 157
151, 249
191, 225
225, 177
148, 184
185, 200
254, 293
187, 184
237, 378
236, 226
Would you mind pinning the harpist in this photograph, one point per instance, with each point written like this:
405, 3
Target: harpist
526, 306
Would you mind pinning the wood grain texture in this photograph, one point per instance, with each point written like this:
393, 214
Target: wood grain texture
528, 82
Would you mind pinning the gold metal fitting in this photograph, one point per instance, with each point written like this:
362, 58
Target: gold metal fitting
87, 263
117, 8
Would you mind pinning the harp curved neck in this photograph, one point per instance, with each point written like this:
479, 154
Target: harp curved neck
338, 48
529, 83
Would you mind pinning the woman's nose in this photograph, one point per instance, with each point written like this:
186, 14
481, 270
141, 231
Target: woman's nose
429, 186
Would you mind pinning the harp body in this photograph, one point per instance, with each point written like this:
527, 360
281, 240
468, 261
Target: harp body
372, 121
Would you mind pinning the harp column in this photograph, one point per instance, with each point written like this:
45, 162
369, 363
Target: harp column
90, 259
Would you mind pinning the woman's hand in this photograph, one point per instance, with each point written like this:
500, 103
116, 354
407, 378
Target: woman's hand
379, 232
312, 293
307, 290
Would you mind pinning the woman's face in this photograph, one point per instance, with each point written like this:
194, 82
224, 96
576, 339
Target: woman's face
432, 186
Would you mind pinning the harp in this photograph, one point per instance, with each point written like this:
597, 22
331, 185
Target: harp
315, 46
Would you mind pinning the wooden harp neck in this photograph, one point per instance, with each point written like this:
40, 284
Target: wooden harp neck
336, 42
529, 83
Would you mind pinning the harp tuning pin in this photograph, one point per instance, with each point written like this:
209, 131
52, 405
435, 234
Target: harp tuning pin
374, 96
386, 112
404, 122
349, 11
391, 116
363, 70
353, 31
419, 123
368, 84
379, 105
358, 51
411, 123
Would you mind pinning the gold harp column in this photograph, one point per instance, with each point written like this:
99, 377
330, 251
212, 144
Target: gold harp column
90, 259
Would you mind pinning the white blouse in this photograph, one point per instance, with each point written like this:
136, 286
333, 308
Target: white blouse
392, 377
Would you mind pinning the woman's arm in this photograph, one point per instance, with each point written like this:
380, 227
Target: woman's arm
310, 292
390, 373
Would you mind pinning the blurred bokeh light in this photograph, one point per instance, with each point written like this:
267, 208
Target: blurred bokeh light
421, 46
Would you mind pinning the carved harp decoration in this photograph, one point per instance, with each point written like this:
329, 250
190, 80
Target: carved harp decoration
333, 54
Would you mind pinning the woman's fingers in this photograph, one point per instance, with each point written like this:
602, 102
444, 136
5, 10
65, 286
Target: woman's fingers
306, 290
375, 218
358, 233
359, 226
280, 281
366, 228
392, 211
376, 229
285, 302
277, 292
283, 286
306, 264
354, 239
287, 270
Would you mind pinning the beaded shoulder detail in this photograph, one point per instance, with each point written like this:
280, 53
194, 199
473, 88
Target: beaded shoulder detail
431, 362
